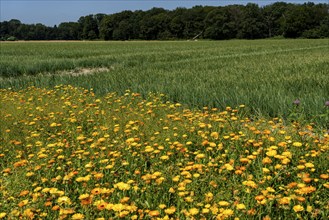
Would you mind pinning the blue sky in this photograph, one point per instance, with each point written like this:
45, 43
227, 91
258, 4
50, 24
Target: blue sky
51, 12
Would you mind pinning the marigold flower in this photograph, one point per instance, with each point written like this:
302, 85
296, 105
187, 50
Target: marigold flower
297, 144
309, 208
154, 213
24, 193
228, 167
64, 200
123, 214
164, 157
23, 202
266, 160
250, 183
170, 210
271, 153
2, 214
77, 216
244, 160
124, 199
228, 212
200, 156
298, 208
240, 206
193, 211
96, 191
326, 185
309, 165
223, 203
284, 201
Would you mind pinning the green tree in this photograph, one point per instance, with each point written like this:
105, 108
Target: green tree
89, 28
273, 18
68, 31
303, 18
252, 25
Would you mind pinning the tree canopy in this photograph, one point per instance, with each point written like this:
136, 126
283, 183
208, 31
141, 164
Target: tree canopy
249, 21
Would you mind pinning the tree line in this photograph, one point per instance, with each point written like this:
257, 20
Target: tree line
249, 21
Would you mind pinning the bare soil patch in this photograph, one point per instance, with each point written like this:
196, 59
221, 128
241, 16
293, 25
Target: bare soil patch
85, 71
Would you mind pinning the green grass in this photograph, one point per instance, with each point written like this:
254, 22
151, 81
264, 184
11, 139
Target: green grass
266, 75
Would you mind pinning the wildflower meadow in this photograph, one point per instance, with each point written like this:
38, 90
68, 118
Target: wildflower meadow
66, 153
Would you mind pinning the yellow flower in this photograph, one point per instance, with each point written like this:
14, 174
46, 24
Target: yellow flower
28, 213
240, 206
250, 183
164, 157
117, 207
214, 135
209, 196
124, 199
244, 160
265, 170
326, 185
84, 196
77, 216
2, 215
228, 212
223, 203
297, 144
170, 210
123, 214
228, 166
266, 160
309, 208
193, 211
309, 165
64, 200
23, 203
271, 153
205, 211
285, 161
284, 201
122, 186
298, 208
66, 211
200, 156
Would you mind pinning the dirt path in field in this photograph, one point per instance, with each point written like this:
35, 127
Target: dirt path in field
85, 71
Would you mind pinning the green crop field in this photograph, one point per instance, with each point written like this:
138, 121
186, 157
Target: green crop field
164, 130
265, 75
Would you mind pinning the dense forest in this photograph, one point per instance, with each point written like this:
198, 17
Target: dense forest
249, 21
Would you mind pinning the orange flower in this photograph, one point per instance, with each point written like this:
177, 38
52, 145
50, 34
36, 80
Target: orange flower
284, 201
266, 160
96, 191
98, 175
23, 202
154, 213
24, 193
48, 204
101, 206
55, 208
292, 185
86, 201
